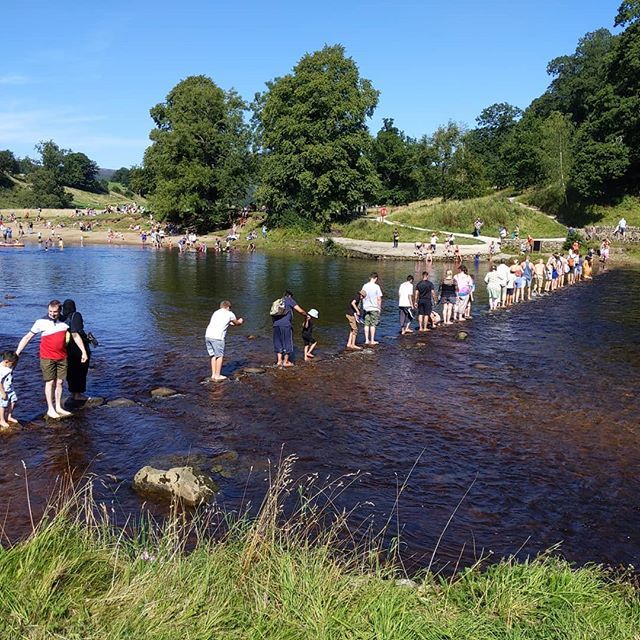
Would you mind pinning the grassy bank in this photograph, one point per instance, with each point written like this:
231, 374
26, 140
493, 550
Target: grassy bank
551, 201
495, 211
77, 578
364, 229
14, 197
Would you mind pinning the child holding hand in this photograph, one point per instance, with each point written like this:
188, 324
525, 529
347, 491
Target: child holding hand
8, 397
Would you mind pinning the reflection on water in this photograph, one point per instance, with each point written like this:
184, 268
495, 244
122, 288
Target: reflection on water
536, 411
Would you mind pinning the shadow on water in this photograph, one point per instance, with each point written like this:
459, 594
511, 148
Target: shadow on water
535, 414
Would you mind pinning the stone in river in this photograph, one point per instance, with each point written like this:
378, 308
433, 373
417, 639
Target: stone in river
163, 392
119, 403
480, 365
254, 370
462, 335
178, 482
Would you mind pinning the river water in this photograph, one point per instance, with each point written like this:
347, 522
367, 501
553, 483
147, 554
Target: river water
534, 416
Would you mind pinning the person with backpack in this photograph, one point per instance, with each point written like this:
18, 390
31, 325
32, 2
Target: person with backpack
282, 315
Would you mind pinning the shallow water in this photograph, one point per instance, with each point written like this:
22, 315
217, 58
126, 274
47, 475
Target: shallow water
535, 415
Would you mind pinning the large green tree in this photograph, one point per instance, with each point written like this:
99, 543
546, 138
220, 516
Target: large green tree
198, 163
314, 141
489, 141
81, 172
393, 155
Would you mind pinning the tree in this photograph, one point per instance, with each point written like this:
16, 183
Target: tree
80, 172
141, 181
198, 161
52, 156
556, 145
8, 163
314, 141
122, 175
47, 191
393, 156
488, 141
628, 13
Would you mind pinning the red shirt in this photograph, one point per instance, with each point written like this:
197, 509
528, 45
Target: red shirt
53, 343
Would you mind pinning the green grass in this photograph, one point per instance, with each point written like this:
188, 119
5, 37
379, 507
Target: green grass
79, 578
495, 211
10, 198
629, 208
364, 229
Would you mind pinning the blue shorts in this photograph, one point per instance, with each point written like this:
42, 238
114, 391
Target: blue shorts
215, 348
11, 399
282, 339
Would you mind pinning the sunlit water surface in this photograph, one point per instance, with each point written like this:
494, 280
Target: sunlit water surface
535, 415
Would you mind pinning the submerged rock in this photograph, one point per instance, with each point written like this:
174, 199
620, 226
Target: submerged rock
481, 366
225, 464
119, 403
163, 392
254, 370
179, 482
462, 335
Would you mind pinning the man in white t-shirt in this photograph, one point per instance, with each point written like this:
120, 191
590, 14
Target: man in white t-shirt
215, 335
405, 304
371, 305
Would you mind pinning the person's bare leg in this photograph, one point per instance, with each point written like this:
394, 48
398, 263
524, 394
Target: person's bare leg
279, 362
373, 335
58, 398
285, 361
367, 333
218, 369
48, 394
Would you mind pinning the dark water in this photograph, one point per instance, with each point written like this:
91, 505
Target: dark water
536, 414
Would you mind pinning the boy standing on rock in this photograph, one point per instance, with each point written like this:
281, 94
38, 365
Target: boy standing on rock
215, 336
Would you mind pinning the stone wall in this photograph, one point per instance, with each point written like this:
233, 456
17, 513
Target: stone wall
515, 246
632, 234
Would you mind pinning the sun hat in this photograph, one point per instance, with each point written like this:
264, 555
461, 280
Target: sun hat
313, 313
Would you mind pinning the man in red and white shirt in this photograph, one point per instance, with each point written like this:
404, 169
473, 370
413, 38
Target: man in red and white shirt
53, 356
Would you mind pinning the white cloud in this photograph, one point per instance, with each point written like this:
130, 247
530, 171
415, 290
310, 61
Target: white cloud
14, 79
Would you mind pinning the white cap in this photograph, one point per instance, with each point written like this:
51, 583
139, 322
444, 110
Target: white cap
313, 313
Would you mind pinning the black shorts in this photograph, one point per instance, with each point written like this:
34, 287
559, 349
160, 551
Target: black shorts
425, 307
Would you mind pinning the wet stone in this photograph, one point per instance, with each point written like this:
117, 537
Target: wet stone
462, 335
254, 370
481, 366
179, 482
120, 403
163, 392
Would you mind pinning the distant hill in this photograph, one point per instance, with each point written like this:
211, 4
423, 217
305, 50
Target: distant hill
105, 174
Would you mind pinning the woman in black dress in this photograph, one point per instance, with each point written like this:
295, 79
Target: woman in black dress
76, 370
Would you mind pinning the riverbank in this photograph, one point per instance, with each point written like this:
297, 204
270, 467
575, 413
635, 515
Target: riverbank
78, 577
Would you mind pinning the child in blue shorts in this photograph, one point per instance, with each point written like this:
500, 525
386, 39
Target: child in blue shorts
8, 397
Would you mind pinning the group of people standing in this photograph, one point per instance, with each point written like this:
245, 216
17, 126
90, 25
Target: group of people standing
64, 355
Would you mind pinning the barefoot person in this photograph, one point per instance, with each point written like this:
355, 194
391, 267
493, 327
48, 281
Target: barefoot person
283, 329
353, 317
215, 335
425, 298
8, 397
53, 355
372, 305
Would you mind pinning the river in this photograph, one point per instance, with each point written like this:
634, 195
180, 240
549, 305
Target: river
534, 416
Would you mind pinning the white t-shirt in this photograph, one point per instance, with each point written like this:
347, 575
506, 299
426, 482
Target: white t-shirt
219, 323
6, 378
372, 292
405, 294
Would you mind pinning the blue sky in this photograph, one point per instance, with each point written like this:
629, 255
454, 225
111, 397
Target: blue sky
86, 74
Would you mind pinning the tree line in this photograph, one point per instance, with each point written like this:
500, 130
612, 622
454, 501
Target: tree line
306, 154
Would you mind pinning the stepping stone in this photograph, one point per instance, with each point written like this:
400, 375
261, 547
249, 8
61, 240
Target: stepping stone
163, 392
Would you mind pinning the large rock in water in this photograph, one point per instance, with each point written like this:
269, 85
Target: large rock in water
178, 482
163, 392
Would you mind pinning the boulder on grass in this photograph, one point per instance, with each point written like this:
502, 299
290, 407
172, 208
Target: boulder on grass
177, 482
